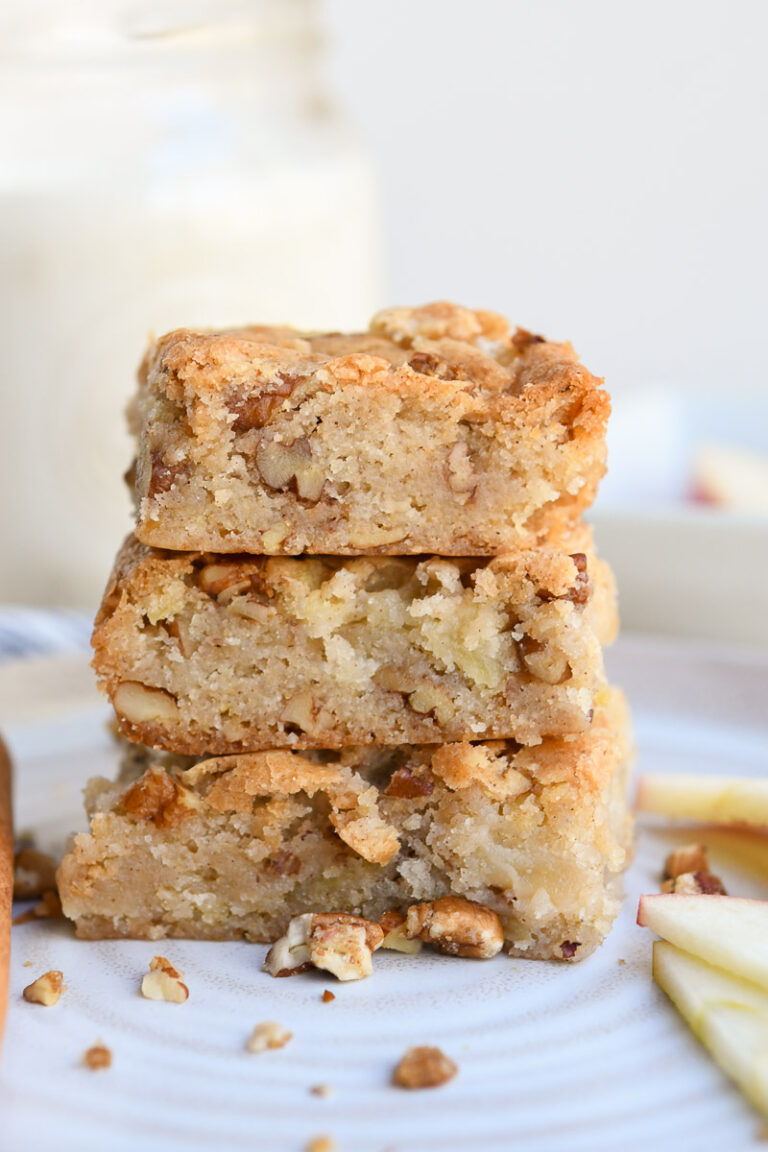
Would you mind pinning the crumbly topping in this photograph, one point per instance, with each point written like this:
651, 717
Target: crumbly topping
275, 366
234, 781
487, 765
260, 774
424, 1067
358, 822
439, 321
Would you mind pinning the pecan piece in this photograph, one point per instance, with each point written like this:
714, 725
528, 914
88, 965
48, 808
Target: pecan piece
580, 591
163, 982
282, 863
255, 411
523, 339
461, 476
139, 704
46, 990
98, 1057
428, 364
687, 858
163, 475
334, 941
457, 927
410, 783
282, 466
224, 581
321, 1144
396, 938
695, 884
266, 1035
157, 798
543, 661
424, 1067
432, 700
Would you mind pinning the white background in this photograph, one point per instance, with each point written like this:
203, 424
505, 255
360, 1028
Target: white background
597, 170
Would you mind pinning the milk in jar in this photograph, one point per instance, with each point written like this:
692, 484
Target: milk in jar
164, 165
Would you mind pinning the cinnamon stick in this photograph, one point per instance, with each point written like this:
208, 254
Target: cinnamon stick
6, 878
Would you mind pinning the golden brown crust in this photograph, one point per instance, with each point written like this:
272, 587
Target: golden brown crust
229, 784
233, 779
455, 349
267, 440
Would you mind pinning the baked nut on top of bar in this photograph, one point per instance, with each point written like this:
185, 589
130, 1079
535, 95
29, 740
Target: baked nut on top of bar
211, 654
234, 847
439, 430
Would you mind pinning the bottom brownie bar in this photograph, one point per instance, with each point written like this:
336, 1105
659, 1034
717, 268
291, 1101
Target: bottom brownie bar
232, 847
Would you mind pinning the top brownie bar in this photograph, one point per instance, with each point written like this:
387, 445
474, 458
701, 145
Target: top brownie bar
438, 431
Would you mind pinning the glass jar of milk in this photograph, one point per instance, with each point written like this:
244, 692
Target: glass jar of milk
164, 163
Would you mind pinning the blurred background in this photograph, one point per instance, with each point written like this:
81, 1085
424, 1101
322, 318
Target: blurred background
596, 171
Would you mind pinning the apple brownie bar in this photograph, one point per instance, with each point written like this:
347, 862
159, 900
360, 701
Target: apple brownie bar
233, 847
438, 430
206, 654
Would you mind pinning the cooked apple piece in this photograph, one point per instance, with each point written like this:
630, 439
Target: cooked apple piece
726, 931
712, 799
727, 1014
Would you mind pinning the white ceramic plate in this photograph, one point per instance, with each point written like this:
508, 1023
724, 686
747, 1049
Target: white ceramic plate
573, 1058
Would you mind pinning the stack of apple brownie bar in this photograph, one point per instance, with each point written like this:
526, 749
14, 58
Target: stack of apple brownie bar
355, 648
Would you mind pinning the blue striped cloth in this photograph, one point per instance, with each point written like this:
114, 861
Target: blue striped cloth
34, 632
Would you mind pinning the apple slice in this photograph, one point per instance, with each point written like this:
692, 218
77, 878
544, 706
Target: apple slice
712, 799
694, 985
727, 931
728, 1015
